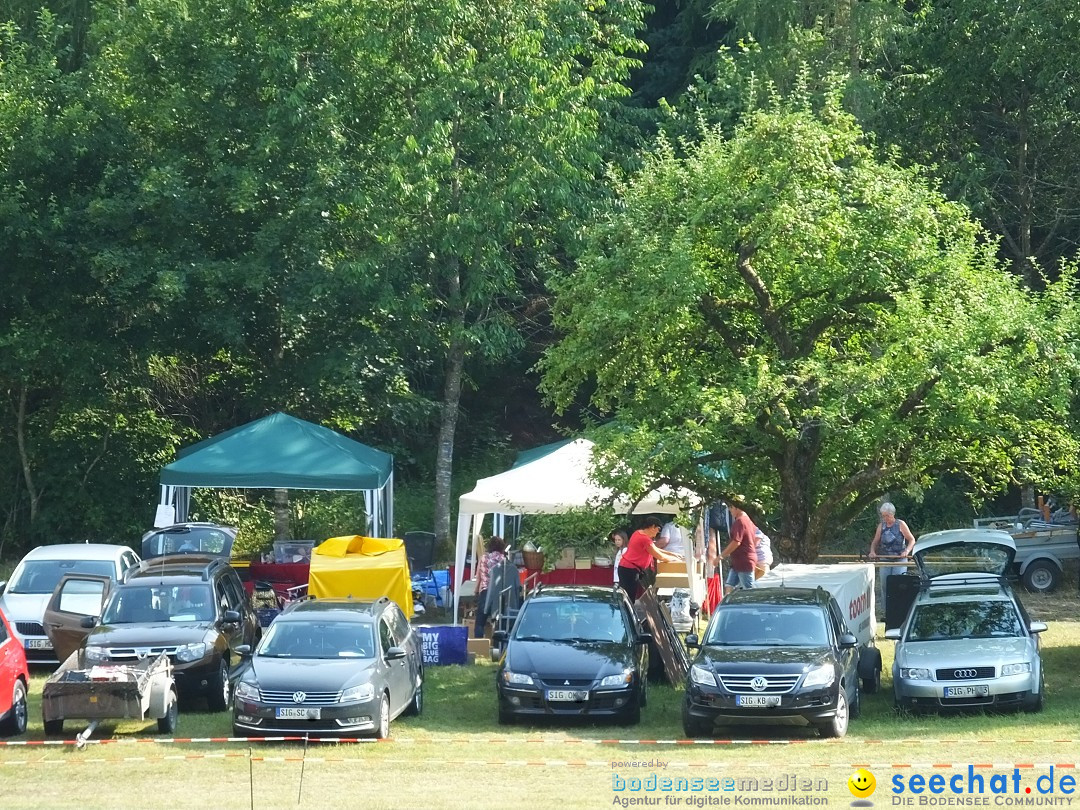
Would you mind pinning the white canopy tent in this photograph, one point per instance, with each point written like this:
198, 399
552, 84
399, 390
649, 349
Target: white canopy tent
552, 483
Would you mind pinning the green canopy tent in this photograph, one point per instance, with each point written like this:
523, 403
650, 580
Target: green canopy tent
281, 452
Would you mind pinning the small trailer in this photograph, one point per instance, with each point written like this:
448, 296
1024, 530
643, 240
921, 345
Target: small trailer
1042, 546
852, 585
140, 690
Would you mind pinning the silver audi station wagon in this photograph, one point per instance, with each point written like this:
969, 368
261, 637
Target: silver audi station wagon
967, 642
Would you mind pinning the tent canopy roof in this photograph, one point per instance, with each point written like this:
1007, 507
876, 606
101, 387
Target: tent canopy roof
552, 479
280, 451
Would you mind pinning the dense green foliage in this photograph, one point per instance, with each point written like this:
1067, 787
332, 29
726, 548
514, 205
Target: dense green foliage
353, 212
818, 320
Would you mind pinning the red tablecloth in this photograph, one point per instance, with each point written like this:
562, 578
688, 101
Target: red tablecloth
605, 577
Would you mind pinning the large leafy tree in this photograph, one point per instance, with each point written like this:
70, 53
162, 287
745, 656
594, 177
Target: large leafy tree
818, 319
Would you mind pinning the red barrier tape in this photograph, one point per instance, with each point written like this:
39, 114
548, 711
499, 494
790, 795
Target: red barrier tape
512, 741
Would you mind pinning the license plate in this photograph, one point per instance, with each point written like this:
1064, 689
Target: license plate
566, 694
297, 713
38, 644
757, 700
977, 690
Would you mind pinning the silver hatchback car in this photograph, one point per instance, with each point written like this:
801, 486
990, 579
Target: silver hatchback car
967, 641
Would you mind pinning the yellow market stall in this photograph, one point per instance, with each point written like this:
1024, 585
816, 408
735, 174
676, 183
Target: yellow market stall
363, 568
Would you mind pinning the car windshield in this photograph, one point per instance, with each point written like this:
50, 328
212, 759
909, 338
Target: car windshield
140, 604
42, 576
188, 540
572, 620
318, 639
954, 620
769, 626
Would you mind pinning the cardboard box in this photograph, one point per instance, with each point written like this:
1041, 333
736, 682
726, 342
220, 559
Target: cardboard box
480, 647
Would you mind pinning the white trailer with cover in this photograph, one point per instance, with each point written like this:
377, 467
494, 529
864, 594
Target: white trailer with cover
852, 585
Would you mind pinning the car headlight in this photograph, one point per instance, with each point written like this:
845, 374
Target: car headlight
364, 691
96, 654
517, 678
699, 674
1016, 669
821, 675
191, 652
915, 673
245, 690
622, 679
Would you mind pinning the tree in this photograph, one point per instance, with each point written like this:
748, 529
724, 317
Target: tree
986, 93
487, 144
818, 319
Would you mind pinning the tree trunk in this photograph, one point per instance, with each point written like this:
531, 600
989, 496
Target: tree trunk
455, 364
281, 514
24, 457
796, 541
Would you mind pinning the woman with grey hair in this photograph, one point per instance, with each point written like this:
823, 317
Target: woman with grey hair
893, 542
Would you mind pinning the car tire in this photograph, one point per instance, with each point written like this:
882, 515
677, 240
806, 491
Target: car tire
1042, 576
695, 726
506, 717
167, 724
382, 730
837, 725
54, 728
855, 707
16, 721
631, 715
872, 684
217, 690
416, 705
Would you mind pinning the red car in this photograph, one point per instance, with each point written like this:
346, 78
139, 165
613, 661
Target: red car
14, 680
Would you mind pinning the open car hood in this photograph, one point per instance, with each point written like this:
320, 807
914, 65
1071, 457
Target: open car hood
964, 551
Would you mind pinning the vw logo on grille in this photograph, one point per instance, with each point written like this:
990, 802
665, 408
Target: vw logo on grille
759, 684
142, 652
965, 673
299, 697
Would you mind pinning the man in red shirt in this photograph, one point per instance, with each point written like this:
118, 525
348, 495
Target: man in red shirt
639, 555
741, 550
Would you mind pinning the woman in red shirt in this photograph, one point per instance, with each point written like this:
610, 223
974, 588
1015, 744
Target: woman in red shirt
639, 555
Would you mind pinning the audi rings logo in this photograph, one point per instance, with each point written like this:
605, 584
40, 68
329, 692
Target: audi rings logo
759, 684
299, 697
960, 674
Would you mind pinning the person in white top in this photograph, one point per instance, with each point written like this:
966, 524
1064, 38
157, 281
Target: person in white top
671, 539
764, 553
618, 537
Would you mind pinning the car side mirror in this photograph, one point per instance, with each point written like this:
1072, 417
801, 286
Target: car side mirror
893, 634
692, 641
500, 637
231, 616
847, 641
87, 622
644, 638
395, 654
244, 650
1037, 627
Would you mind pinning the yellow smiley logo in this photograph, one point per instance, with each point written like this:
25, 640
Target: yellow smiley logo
862, 783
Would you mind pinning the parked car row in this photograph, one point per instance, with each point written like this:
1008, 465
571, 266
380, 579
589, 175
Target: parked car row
779, 653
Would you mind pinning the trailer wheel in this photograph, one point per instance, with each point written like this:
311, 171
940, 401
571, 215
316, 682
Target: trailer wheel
1042, 576
54, 728
167, 724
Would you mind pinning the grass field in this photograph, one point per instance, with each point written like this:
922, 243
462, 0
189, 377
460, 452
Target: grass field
456, 755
